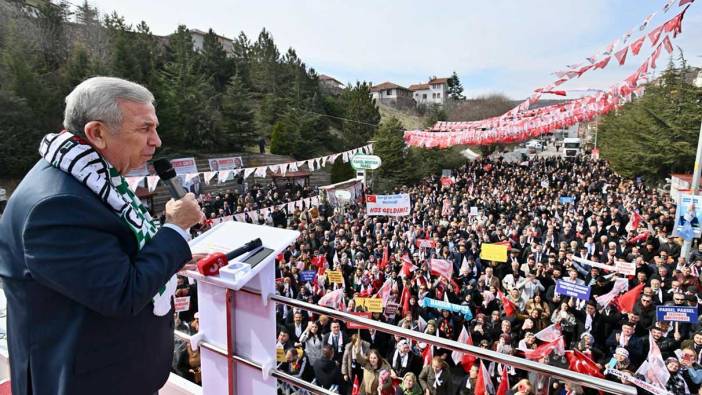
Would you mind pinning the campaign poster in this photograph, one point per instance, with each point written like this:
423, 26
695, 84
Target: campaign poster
687, 217
228, 163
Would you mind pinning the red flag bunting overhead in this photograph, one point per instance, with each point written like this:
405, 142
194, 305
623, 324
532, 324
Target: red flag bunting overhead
558, 93
637, 44
655, 34
522, 123
621, 55
667, 44
602, 63
655, 55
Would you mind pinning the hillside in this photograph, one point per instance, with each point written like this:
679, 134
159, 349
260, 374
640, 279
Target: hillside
409, 121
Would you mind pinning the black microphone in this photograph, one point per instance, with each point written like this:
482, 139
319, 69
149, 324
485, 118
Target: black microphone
248, 247
167, 174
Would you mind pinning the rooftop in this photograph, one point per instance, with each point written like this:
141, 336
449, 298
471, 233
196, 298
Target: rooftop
386, 85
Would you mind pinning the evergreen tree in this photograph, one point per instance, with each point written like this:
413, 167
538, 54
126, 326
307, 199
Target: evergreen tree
186, 111
455, 88
87, 15
656, 134
390, 147
20, 135
237, 129
436, 113
241, 58
285, 138
213, 62
361, 114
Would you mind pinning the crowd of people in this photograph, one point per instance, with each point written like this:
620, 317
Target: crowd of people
514, 307
256, 197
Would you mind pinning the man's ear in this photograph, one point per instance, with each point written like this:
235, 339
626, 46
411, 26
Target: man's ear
95, 132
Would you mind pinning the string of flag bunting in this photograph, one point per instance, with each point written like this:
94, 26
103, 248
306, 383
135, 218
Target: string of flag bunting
190, 173
521, 123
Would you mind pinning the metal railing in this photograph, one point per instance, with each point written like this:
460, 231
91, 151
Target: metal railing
284, 377
607, 386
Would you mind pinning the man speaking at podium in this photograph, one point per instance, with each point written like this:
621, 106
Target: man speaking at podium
87, 274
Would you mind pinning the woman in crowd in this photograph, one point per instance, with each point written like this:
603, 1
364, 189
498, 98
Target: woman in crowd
372, 367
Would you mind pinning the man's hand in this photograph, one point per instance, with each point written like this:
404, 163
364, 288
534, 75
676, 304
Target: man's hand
184, 212
192, 264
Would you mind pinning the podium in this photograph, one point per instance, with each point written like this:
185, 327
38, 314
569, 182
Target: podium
241, 323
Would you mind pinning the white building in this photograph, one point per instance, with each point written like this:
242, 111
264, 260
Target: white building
433, 92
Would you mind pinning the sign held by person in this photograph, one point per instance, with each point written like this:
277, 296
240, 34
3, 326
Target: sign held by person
687, 314
493, 252
390, 205
566, 288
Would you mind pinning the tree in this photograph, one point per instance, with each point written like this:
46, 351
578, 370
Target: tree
237, 129
188, 113
19, 133
284, 138
455, 89
361, 114
390, 147
655, 135
436, 113
341, 171
213, 62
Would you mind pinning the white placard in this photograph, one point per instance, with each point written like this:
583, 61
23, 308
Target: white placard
390, 205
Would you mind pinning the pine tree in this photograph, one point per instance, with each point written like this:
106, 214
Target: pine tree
188, 116
213, 62
390, 147
656, 134
455, 88
361, 114
237, 129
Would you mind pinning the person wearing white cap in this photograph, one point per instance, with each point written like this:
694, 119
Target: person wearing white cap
403, 360
620, 359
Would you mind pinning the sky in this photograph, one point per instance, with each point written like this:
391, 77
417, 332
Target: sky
496, 46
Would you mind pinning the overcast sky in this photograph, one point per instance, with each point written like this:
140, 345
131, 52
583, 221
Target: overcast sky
507, 46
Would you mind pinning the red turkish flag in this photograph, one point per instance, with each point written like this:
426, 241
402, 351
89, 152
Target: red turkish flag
579, 362
356, 390
667, 44
629, 298
602, 63
636, 45
655, 34
504, 382
507, 305
675, 25
466, 360
370, 199
621, 55
655, 55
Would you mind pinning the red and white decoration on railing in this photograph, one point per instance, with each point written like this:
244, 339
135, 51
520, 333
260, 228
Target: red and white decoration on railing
521, 123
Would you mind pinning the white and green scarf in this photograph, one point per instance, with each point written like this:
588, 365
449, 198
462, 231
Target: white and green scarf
73, 155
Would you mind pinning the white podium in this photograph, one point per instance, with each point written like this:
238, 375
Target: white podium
239, 322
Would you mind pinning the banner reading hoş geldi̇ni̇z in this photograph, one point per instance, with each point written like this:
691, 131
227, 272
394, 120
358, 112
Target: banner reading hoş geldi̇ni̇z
390, 205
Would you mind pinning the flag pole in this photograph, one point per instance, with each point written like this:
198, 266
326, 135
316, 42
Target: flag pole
695, 187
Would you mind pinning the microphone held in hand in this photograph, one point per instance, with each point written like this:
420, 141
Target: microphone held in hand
167, 174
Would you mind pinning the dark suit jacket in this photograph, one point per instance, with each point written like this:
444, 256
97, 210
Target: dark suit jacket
80, 316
